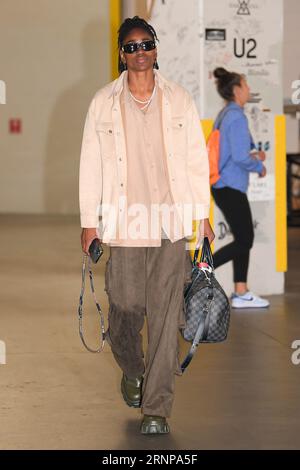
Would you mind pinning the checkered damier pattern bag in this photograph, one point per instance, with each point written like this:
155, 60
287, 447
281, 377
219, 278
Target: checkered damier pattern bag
207, 309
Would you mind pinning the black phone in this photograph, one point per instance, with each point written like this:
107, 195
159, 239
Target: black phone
95, 250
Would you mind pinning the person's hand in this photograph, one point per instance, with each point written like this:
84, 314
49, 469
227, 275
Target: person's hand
260, 156
87, 236
205, 230
263, 172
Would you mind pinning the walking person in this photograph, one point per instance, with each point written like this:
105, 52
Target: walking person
230, 191
143, 148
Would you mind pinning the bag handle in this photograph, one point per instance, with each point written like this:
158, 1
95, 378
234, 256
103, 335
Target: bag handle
80, 307
220, 118
206, 254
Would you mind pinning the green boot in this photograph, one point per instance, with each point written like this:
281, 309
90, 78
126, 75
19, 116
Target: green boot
154, 425
132, 391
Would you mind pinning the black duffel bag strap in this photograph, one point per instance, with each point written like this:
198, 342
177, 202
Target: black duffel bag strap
206, 254
202, 330
201, 333
210, 298
194, 346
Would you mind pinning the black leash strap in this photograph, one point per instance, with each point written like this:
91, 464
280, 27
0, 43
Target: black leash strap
80, 307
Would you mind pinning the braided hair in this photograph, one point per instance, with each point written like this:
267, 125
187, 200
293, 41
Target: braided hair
128, 25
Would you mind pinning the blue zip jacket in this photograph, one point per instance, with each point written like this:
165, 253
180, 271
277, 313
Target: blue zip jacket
235, 162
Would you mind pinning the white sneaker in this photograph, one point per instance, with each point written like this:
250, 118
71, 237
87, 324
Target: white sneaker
248, 300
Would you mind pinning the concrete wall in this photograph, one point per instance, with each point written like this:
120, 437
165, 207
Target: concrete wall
54, 55
291, 66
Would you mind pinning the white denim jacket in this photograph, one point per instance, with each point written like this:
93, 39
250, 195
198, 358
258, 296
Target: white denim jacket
103, 167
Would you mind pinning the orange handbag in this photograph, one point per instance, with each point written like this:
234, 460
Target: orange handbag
213, 150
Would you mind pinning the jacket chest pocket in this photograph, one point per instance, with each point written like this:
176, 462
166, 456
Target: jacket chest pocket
179, 136
106, 138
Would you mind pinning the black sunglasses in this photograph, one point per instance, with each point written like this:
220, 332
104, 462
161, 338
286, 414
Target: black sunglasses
132, 47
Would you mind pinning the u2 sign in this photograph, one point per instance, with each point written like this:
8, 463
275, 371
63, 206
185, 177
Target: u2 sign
2, 92
2, 352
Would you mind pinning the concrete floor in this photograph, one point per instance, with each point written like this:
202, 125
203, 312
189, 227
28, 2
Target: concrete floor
243, 394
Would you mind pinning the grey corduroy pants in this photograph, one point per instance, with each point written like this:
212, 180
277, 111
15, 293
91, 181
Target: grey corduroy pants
148, 281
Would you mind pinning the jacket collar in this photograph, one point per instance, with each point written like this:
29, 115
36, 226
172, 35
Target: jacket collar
117, 85
234, 105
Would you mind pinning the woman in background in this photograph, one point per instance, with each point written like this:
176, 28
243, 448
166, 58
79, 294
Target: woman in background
230, 191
